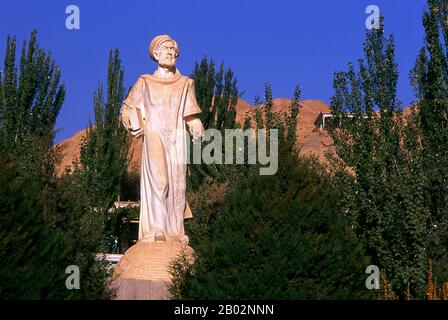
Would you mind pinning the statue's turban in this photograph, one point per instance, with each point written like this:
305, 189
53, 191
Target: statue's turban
157, 41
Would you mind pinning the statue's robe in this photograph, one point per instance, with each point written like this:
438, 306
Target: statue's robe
164, 104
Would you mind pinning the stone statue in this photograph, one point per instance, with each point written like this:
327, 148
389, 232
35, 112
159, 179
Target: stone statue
160, 107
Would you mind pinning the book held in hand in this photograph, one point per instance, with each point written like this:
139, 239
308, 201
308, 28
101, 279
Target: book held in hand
135, 122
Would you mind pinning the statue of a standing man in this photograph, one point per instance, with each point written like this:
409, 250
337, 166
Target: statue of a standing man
167, 104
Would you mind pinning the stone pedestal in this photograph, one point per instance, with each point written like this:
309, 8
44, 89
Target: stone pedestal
142, 273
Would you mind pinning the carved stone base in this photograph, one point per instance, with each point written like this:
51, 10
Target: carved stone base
142, 273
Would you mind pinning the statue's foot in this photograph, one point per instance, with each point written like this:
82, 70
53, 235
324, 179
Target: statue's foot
159, 236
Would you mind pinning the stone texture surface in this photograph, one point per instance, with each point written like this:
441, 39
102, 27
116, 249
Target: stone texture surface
167, 103
142, 273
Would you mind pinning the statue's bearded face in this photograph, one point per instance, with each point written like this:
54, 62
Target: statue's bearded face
166, 55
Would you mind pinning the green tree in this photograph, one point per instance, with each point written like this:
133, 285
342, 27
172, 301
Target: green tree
430, 80
285, 122
104, 153
217, 95
209, 197
104, 156
31, 97
44, 225
43, 231
377, 166
291, 118
277, 237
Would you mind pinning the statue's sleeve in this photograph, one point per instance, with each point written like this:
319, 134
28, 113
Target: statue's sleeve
135, 96
191, 105
135, 101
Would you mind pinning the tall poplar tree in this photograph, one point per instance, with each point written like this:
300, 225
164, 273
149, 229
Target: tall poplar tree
104, 152
217, 95
380, 180
430, 80
31, 97
44, 227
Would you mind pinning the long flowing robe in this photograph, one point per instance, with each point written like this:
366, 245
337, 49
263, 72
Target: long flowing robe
164, 104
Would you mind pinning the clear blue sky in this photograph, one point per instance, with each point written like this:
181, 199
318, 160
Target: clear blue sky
283, 42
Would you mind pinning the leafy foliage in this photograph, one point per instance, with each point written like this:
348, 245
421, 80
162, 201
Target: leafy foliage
104, 151
31, 97
44, 226
217, 95
430, 79
381, 166
280, 237
277, 237
104, 155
